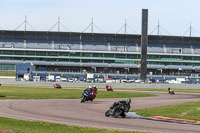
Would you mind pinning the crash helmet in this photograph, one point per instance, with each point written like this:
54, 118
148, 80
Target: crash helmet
89, 87
94, 86
128, 101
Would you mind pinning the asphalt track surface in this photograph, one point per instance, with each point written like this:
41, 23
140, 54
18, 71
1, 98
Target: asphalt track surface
91, 114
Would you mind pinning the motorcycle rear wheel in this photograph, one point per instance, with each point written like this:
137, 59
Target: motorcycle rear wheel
123, 115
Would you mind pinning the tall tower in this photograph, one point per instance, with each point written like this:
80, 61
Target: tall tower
144, 44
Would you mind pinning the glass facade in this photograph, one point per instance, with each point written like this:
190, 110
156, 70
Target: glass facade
90, 57
7, 67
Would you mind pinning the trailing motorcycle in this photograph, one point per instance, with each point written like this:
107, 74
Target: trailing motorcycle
171, 92
109, 88
57, 86
117, 109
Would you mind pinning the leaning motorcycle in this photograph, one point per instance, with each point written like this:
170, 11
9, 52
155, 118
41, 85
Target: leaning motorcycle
109, 88
86, 96
57, 86
171, 92
116, 111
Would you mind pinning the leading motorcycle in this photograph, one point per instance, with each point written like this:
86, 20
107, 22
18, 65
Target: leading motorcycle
87, 96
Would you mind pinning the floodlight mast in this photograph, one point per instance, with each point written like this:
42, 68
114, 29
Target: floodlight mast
125, 27
159, 28
190, 29
92, 25
158, 32
58, 23
25, 23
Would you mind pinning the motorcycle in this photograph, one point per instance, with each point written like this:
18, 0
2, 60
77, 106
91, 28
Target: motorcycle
109, 88
86, 96
57, 86
116, 111
171, 92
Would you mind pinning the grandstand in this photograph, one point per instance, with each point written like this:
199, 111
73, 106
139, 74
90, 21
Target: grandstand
98, 52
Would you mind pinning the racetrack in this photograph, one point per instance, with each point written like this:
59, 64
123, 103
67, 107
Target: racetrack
72, 112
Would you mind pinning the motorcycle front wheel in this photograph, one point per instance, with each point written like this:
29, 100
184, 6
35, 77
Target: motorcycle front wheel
107, 114
82, 99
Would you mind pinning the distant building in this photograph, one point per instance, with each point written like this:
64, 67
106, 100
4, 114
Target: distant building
100, 53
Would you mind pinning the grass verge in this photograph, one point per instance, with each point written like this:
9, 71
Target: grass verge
188, 111
160, 89
151, 89
7, 73
21, 126
15, 92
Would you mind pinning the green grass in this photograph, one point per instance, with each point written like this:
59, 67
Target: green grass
21, 126
188, 111
7, 73
23, 92
105, 94
152, 89
159, 89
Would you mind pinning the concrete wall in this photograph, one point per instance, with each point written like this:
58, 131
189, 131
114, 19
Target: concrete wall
7, 78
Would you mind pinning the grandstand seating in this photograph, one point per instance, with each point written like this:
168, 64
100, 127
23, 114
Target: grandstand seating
101, 46
123, 47
94, 46
180, 66
197, 68
155, 48
196, 49
187, 50
116, 60
39, 45
19, 44
178, 49
155, 66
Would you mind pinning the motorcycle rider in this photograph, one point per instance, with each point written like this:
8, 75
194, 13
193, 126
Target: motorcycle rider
169, 89
87, 95
126, 103
123, 105
109, 88
89, 90
94, 90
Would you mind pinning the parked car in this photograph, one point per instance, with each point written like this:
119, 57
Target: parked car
70, 80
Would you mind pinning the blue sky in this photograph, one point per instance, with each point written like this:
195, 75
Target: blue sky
173, 15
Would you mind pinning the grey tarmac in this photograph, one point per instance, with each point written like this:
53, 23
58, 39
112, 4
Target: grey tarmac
91, 114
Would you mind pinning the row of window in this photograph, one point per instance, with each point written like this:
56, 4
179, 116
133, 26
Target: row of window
7, 67
99, 55
69, 54
174, 57
97, 61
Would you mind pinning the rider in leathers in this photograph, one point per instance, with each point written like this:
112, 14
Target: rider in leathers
124, 103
